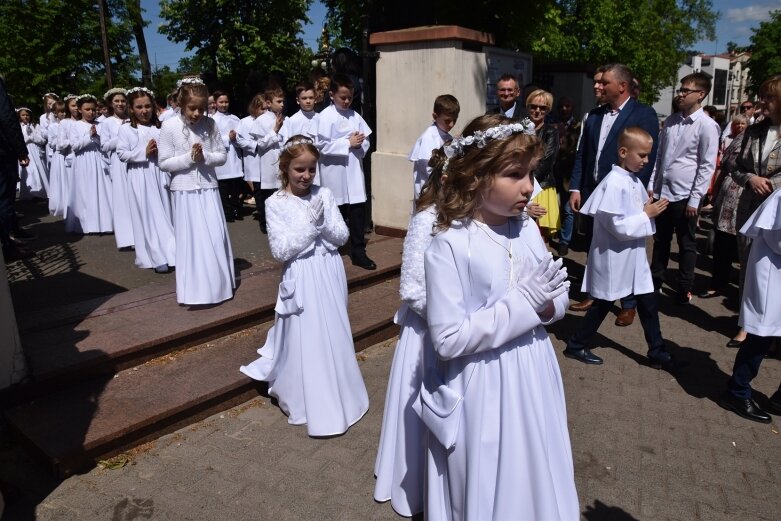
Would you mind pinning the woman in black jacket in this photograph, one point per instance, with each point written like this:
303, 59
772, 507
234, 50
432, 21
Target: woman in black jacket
538, 105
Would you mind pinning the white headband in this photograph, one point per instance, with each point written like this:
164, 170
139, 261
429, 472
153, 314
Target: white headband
300, 141
189, 81
114, 91
481, 138
87, 97
141, 89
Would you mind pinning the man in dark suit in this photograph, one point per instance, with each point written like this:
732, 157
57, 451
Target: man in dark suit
598, 150
508, 91
13, 152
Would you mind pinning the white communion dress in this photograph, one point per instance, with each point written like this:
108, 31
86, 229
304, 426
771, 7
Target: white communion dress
309, 357
91, 210
402, 451
512, 456
150, 203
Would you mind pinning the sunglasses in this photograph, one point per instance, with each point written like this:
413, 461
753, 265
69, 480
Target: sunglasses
746, 107
541, 108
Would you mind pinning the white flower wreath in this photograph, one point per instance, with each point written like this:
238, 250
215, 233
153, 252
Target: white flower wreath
114, 91
141, 89
456, 148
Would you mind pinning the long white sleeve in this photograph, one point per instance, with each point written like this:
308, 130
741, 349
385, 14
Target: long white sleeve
263, 131
333, 230
244, 139
214, 153
165, 153
412, 286
773, 239
80, 137
130, 148
627, 227
455, 331
288, 234
63, 142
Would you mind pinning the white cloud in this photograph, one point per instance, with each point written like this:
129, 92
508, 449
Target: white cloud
752, 13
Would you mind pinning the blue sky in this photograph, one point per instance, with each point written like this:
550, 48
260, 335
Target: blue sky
162, 52
735, 24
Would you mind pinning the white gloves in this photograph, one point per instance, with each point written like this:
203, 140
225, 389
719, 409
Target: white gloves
543, 283
316, 211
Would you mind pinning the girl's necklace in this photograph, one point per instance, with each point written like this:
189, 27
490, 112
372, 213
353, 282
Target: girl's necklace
509, 241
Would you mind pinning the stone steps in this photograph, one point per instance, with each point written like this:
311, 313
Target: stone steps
66, 345
130, 372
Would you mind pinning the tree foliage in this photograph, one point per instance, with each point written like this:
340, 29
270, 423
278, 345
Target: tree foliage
765, 58
55, 45
237, 40
651, 36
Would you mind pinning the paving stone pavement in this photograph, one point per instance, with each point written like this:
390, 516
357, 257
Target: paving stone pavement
647, 444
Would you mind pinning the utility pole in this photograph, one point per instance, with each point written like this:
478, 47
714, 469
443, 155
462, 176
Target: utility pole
104, 39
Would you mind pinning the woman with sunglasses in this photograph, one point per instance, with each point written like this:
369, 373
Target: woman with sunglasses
538, 105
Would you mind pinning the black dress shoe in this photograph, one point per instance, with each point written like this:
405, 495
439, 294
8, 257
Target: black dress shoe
583, 355
663, 361
562, 249
263, 229
744, 407
229, 218
363, 261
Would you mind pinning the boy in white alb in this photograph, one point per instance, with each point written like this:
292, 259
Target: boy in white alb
266, 132
343, 140
617, 264
446, 109
304, 122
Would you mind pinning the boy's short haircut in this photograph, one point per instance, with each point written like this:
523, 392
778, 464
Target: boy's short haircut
303, 87
509, 77
341, 80
631, 135
273, 92
217, 94
447, 105
700, 80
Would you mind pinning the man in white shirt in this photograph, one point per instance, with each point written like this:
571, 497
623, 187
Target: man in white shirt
508, 91
685, 162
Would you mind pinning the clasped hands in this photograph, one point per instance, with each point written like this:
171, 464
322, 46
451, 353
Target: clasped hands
540, 285
317, 210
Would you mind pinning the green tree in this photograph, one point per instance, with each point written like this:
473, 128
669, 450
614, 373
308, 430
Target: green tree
650, 36
235, 40
54, 45
765, 58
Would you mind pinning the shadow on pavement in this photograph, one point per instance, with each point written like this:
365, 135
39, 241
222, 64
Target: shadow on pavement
602, 512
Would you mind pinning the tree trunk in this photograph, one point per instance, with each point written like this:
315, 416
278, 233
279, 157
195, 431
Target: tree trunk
134, 9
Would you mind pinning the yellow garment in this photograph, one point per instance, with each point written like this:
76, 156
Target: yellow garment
549, 200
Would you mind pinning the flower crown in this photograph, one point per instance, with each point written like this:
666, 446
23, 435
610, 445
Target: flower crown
23, 108
50, 95
114, 91
192, 80
69, 97
481, 137
299, 141
141, 89
86, 97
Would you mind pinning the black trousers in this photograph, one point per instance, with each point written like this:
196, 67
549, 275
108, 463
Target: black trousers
230, 193
725, 252
260, 195
647, 310
355, 217
674, 220
750, 356
9, 175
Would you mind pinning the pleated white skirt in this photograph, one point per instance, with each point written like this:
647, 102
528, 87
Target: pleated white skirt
204, 259
309, 357
150, 213
123, 224
401, 456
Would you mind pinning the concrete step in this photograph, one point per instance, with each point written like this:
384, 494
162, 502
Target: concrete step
66, 345
69, 430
